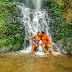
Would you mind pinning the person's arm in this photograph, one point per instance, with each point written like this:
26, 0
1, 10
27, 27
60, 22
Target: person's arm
30, 38
48, 39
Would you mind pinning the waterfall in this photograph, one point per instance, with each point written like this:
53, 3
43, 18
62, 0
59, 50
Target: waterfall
34, 20
37, 4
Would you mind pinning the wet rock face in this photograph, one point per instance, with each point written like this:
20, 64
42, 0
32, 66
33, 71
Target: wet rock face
4, 50
64, 50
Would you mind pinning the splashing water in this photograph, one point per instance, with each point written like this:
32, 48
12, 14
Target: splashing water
35, 20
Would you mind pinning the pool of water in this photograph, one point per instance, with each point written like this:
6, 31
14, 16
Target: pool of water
16, 62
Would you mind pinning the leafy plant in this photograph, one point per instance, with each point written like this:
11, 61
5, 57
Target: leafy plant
12, 36
61, 29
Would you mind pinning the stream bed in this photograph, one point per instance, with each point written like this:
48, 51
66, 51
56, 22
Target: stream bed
20, 62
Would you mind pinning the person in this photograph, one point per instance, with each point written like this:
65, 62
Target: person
35, 42
46, 41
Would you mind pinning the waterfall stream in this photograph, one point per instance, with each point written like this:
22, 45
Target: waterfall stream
35, 20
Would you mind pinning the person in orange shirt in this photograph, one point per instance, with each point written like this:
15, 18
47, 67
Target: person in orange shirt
46, 41
35, 42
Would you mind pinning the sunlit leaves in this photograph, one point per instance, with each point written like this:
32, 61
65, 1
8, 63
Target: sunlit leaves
6, 0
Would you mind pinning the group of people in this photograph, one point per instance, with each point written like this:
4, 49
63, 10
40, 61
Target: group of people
46, 42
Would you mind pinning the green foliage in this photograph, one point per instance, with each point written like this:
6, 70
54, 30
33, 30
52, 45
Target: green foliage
61, 29
12, 36
65, 6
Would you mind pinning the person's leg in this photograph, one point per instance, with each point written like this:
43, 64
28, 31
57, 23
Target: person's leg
36, 46
43, 46
49, 45
33, 49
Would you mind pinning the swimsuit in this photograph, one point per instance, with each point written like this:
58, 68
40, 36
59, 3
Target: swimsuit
36, 41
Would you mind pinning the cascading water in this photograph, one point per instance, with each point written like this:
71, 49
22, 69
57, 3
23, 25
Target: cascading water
37, 4
34, 20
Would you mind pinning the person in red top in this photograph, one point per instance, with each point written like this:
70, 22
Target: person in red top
46, 41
